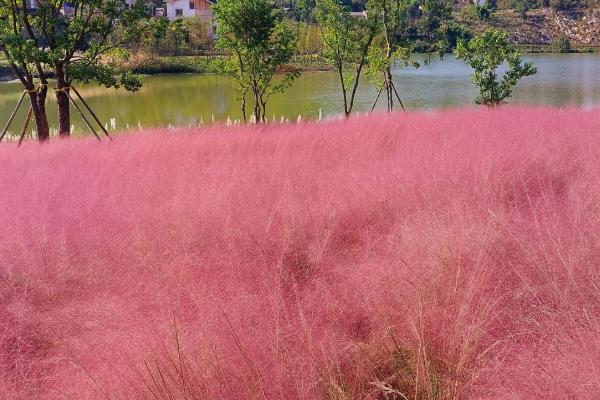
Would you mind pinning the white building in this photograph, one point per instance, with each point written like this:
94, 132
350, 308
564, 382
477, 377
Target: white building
200, 9
189, 8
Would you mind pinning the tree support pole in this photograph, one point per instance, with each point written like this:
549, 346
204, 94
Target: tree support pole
398, 97
377, 98
27, 119
91, 112
12, 116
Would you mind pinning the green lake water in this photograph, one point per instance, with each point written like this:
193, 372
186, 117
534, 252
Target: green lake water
181, 100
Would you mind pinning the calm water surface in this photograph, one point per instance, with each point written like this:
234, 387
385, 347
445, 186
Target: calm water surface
562, 80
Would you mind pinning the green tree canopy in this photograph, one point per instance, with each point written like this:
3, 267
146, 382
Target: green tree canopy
485, 54
73, 40
261, 41
390, 47
347, 41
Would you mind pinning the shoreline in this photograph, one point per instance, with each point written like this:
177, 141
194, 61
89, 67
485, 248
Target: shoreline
302, 63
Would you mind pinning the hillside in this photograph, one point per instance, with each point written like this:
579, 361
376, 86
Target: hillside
450, 255
543, 25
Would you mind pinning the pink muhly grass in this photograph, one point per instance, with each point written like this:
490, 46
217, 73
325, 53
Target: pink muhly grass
411, 256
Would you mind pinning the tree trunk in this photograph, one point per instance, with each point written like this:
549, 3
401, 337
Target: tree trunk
38, 106
243, 106
257, 113
263, 104
344, 94
388, 89
62, 101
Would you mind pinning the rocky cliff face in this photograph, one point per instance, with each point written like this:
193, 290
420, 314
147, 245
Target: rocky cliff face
582, 28
543, 25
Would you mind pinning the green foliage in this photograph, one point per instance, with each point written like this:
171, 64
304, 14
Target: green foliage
106, 76
77, 42
563, 4
179, 33
309, 39
469, 12
159, 36
261, 41
148, 32
347, 42
484, 12
453, 32
485, 54
306, 10
562, 44
73, 40
523, 6
480, 12
380, 62
347, 39
392, 47
436, 30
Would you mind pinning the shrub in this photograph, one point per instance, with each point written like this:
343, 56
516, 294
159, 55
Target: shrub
562, 44
486, 53
470, 12
523, 6
563, 4
452, 255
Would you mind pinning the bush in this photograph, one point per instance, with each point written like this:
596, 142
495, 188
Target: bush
562, 44
159, 36
485, 10
563, 4
310, 40
452, 255
470, 12
523, 6
486, 53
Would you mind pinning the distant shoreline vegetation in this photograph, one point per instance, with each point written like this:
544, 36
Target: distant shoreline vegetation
304, 62
201, 64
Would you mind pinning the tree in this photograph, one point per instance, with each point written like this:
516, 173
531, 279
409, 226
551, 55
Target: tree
523, 6
306, 10
80, 48
432, 24
73, 40
261, 41
393, 47
562, 44
347, 41
563, 4
26, 59
180, 36
485, 54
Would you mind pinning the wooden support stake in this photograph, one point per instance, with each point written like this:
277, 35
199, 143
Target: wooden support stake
12, 116
82, 115
398, 96
92, 113
27, 119
377, 98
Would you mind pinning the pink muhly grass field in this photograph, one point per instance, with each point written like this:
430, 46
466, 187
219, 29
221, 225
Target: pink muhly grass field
446, 256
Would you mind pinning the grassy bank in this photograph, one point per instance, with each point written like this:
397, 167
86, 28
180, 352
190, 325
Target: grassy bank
550, 49
412, 256
202, 64
189, 64
304, 63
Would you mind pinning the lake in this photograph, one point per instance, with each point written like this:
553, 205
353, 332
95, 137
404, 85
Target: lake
180, 100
